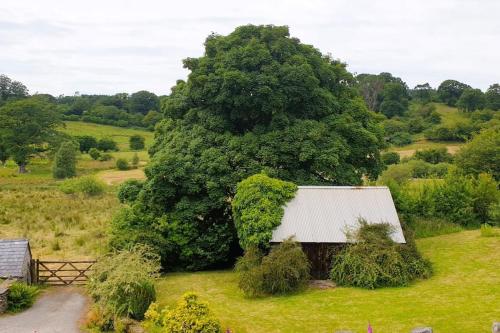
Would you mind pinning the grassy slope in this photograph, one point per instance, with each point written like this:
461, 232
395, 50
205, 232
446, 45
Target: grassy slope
449, 116
119, 134
462, 296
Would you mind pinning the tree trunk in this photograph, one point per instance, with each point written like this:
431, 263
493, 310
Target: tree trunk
22, 168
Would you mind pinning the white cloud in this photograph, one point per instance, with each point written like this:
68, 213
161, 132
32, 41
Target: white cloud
124, 46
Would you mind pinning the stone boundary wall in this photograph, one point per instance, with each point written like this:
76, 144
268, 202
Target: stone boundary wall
4, 291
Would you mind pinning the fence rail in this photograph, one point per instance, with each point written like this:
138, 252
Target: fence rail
62, 272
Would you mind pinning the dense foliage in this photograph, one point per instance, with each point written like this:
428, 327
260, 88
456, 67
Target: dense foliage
284, 270
11, 90
189, 316
123, 282
481, 154
136, 142
463, 200
258, 208
129, 190
27, 126
122, 164
256, 100
139, 109
64, 165
374, 260
449, 91
21, 296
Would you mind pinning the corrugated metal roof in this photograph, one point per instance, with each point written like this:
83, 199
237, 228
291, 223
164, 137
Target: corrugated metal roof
322, 214
13, 254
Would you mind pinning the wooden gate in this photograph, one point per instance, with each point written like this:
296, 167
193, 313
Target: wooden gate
62, 272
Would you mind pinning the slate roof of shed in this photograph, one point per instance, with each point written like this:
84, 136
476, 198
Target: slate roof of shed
12, 257
323, 214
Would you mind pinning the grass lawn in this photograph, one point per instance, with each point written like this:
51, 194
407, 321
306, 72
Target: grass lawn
119, 134
462, 296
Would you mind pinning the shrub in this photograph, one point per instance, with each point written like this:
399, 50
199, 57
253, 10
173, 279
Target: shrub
123, 282
21, 296
374, 260
135, 160
65, 161
258, 208
189, 316
122, 164
105, 157
107, 144
400, 139
129, 190
250, 272
136, 142
390, 157
399, 173
284, 270
86, 143
481, 154
94, 153
434, 155
87, 185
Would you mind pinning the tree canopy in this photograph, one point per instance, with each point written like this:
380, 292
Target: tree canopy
10, 90
26, 128
493, 97
449, 91
471, 100
256, 100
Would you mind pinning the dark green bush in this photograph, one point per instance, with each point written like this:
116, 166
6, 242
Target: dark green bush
136, 142
86, 143
107, 144
94, 153
284, 270
21, 296
122, 164
374, 260
129, 190
434, 155
390, 157
400, 139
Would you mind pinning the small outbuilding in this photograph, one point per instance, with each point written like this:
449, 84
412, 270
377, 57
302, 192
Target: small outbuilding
319, 217
15, 259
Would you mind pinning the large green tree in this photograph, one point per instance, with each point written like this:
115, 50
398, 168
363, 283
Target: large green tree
143, 101
493, 97
449, 91
10, 90
28, 127
471, 100
257, 100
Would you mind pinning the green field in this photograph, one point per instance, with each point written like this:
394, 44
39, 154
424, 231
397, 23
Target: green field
119, 134
460, 297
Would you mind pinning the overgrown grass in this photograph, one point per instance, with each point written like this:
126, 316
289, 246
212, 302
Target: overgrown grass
434, 227
462, 296
489, 231
119, 134
58, 225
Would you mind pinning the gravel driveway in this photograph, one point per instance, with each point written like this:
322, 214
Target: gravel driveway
57, 310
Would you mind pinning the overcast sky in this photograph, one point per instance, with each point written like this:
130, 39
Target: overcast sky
105, 46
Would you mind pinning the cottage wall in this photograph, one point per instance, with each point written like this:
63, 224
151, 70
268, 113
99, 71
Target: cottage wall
320, 256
